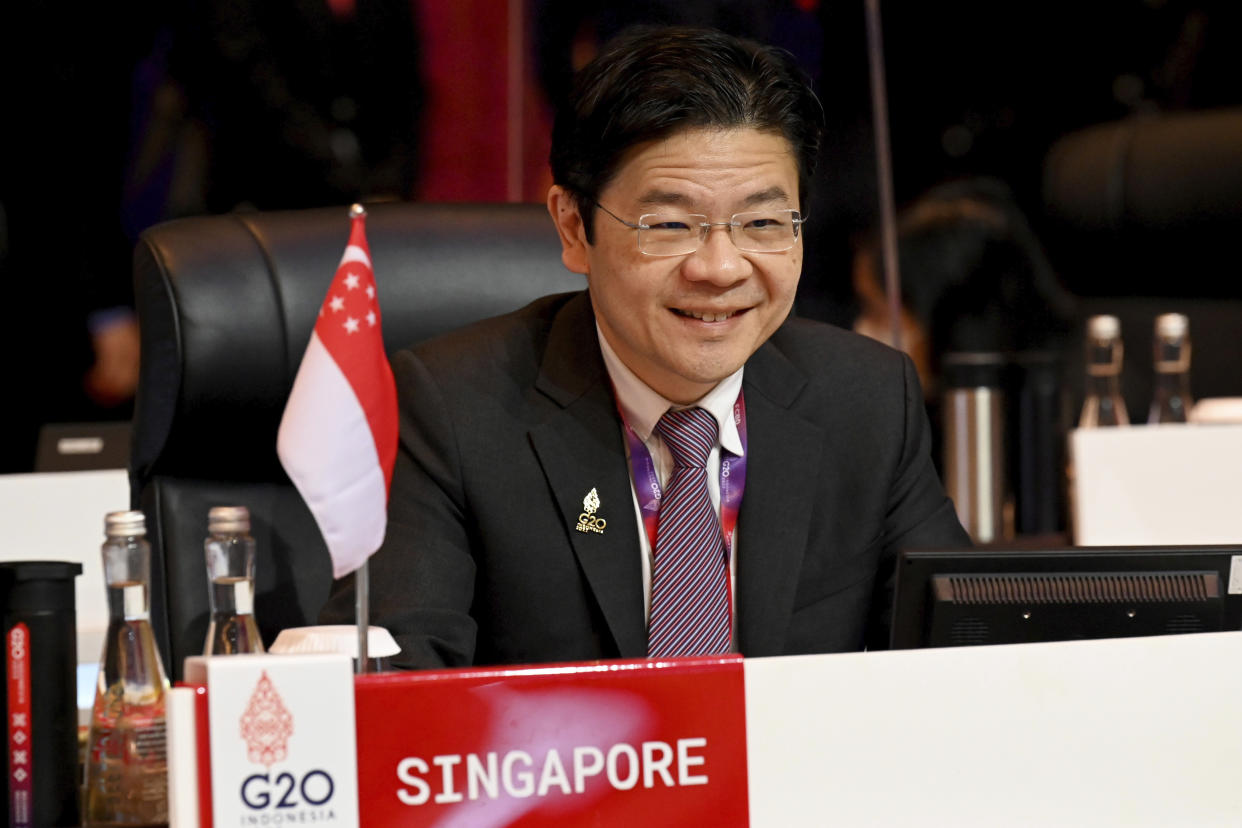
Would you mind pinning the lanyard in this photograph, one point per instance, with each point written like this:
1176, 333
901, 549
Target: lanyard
732, 479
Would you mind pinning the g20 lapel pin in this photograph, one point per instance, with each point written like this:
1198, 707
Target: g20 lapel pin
587, 521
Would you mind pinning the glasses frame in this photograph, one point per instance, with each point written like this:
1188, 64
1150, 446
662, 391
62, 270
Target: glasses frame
705, 227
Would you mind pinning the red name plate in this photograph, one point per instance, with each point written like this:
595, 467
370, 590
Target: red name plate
619, 743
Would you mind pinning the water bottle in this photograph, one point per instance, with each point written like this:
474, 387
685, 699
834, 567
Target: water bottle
1103, 405
126, 761
230, 571
1171, 401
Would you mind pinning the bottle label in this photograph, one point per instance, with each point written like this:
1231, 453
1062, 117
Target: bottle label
243, 597
21, 783
134, 601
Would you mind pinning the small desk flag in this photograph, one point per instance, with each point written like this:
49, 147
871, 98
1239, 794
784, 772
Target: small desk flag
338, 436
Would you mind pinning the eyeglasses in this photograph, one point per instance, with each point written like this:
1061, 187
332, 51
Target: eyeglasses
676, 234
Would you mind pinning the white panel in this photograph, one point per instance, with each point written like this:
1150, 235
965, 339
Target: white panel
1167, 484
59, 516
1124, 732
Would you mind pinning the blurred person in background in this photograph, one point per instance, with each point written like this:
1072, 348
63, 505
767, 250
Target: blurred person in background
974, 277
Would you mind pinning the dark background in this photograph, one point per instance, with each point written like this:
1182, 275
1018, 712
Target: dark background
120, 118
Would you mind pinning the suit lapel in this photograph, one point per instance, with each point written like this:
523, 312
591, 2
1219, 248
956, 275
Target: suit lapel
774, 523
581, 449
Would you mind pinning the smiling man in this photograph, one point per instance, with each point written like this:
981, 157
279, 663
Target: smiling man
667, 464
684, 318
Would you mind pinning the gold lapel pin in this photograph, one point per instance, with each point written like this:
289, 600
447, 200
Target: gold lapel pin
587, 521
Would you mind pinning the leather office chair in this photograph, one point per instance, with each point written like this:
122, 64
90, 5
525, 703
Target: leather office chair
226, 305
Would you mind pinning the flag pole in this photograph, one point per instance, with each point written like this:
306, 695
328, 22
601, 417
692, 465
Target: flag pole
362, 579
362, 591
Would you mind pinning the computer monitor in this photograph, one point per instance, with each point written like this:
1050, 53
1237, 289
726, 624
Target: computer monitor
962, 597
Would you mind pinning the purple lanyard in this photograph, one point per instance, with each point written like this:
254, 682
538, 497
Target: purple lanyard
732, 478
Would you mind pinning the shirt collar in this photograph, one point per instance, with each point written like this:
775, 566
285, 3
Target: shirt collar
643, 407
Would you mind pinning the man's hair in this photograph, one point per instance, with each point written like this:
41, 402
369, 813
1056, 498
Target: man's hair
650, 82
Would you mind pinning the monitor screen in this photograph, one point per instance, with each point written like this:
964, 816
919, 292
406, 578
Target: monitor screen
961, 597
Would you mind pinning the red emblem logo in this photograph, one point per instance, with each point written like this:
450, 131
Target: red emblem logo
266, 725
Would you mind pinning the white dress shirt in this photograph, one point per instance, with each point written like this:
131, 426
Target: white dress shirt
643, 408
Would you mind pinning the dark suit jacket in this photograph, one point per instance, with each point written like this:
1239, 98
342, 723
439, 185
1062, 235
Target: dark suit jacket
508, 424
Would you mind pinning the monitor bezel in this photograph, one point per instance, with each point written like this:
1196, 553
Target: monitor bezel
915, 568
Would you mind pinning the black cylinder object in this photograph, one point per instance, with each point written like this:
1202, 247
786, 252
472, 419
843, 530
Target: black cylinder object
1039, 425
40, 692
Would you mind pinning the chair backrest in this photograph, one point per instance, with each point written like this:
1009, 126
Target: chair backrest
226, 305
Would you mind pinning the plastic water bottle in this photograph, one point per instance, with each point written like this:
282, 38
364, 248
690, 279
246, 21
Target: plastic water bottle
1171, 399
1103, 404
230, 571
126, 780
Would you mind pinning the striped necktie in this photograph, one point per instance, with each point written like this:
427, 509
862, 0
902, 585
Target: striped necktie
689, 582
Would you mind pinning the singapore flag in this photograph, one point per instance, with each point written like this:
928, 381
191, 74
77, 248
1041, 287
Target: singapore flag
338, 436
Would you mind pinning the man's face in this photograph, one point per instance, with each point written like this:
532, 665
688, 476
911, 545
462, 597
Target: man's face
683, 323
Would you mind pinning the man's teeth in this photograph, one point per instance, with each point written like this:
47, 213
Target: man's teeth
707, 317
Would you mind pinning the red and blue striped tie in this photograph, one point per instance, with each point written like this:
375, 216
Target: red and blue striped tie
689, 582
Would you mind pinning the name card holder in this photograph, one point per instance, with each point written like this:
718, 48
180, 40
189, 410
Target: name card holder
609, 743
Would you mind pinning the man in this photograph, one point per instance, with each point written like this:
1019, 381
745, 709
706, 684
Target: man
544, 508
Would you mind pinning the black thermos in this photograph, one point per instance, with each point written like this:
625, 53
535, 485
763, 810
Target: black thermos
40, 692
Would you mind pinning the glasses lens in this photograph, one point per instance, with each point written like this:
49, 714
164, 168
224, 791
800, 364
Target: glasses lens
765, 231
669, 234
676, 234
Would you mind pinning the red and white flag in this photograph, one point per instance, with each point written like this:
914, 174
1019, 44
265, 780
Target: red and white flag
338, 436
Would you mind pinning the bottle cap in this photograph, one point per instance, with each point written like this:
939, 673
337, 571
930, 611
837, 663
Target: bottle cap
1104, 326
1172, 325
223, 520
125, 524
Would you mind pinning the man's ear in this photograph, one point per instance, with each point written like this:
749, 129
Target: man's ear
568, 221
